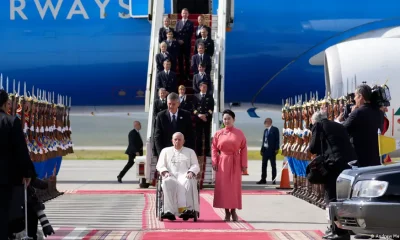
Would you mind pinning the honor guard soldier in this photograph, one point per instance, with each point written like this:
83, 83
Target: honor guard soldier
203, 110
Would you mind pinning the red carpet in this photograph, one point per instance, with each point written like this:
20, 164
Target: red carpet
233, 235
208, 220
206, 235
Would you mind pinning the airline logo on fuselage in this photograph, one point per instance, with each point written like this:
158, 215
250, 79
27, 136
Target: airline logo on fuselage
21, 9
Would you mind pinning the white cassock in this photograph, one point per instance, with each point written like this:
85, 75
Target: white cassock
179, 191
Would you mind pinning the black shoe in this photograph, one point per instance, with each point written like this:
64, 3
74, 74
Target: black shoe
328, 231
332, 236
274, 182
119, 179
168, 216
262, 182
186, 214
359, 236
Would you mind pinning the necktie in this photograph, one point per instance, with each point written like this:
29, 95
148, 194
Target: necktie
201, 75
266, 138
201, 57
174, 125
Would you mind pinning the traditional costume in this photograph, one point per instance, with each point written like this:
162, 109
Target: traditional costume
180, 192
229, 153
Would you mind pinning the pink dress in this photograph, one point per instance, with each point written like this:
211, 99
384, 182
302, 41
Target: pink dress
229, 153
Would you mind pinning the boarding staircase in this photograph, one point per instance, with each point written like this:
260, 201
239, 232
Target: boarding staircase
218, 23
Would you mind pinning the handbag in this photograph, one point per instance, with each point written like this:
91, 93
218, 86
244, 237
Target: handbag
316, 171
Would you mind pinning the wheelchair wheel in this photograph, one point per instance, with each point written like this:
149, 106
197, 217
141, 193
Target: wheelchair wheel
159, 201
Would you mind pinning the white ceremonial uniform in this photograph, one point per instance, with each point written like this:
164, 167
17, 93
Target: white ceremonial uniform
179, 191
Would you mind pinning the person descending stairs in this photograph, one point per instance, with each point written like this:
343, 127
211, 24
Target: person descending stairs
187, 81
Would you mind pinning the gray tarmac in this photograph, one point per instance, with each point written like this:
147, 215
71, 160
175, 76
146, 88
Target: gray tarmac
109, 126
99, 211
267, 212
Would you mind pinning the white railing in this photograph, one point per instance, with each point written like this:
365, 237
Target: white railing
218, 74
156, 24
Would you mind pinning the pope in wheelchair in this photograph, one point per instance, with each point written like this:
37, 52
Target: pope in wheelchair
177, 189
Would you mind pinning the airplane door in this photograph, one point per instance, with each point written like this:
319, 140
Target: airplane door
194, 6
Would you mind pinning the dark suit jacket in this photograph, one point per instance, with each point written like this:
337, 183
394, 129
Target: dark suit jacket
196, 60
135, 143
162, 34
198, 33
173, 49
335, 143
273, 141
158, 106
160, 60
209, 46
187, 103
15, 162
169, 82
184, 32
204, 106
163, 131
196, 83
362, 126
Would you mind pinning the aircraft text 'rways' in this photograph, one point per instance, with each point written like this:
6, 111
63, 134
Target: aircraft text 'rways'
70, 9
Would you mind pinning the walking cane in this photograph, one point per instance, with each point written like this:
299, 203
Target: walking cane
26, 237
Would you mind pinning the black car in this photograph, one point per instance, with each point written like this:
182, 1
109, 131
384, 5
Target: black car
368, 200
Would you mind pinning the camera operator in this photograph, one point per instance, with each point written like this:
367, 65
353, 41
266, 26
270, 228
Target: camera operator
349, 106
362, 125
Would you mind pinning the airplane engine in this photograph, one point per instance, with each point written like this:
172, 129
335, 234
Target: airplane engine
372, 60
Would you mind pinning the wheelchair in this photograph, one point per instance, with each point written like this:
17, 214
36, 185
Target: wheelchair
160, 200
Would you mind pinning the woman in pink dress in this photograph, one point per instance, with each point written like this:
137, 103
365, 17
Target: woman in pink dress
229, 159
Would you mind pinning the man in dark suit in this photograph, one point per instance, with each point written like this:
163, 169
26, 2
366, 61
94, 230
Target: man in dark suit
173, 49
167, 79
362, 125
203, 110
171, 121
135, 148
337, 148
16, 166
162, 33
269, 150
160, 104
162, 56
201, 57
201, 76
186, 102
208, 43
184, 30
202, 25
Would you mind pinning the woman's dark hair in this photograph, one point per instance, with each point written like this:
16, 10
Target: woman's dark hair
229, 112
3, 97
